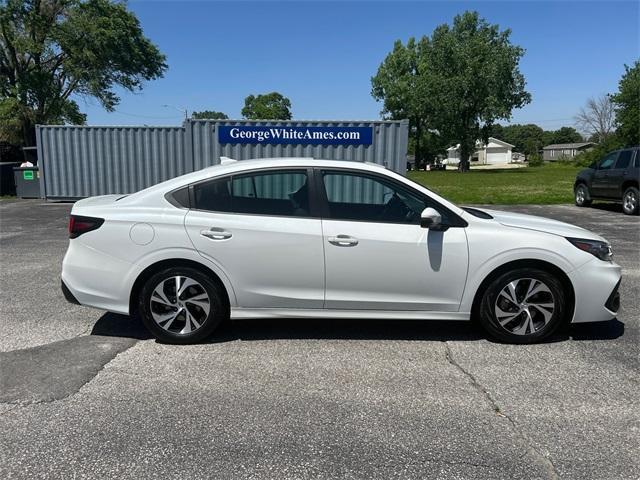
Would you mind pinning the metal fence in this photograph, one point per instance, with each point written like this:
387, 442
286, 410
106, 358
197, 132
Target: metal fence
82, 161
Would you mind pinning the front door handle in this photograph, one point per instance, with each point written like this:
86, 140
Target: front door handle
216, 234
343, 241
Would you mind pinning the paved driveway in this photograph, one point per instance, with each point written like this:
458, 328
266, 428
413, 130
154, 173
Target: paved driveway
85, 394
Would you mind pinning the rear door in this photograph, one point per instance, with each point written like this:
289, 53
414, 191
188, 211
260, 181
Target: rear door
259, 229
601, 184
618, 174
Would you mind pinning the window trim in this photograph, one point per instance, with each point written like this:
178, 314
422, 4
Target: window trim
313, 214
323, 200
170, 197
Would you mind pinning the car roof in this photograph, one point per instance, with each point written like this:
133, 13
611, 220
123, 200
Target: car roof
231, 167
269, 162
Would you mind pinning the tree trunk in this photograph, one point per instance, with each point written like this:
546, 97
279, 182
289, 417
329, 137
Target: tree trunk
465, 153
417, 152
28, 133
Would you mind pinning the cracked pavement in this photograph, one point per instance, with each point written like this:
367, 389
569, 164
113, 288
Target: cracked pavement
85, 394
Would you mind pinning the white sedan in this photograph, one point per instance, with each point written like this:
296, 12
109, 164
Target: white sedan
307, 238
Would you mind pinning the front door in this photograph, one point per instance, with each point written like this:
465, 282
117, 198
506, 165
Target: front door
257, 227
376, 254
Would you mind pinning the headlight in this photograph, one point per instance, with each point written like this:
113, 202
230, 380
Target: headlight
599, 249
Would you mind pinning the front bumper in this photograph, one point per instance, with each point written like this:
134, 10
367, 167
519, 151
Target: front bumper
595, 286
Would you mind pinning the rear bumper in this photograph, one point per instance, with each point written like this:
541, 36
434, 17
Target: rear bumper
596, 286
67, 294
97, 280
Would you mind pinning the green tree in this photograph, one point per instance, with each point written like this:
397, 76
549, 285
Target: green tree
627, 104
469, 73
210, 115
53, 50
395, 84
564, 135
268, 106
525, 138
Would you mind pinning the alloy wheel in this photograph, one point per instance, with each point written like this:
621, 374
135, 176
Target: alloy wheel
581, 195
630, 201
180, 305
524, 306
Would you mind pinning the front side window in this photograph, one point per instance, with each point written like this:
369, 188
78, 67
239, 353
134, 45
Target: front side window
624, 159
268, 193
607, 162
352, 196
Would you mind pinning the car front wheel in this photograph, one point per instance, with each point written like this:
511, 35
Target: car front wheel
582, 196
630, 201
181, 305
523, 306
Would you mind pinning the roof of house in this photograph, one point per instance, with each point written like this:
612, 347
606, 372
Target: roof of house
479, 143
560, 146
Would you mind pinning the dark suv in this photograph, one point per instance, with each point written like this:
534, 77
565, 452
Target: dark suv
614, 178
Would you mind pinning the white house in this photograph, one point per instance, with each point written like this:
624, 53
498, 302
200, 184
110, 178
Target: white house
495, 152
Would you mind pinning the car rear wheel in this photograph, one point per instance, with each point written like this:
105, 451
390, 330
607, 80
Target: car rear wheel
523, 306
181, 305
582, 196
630, 201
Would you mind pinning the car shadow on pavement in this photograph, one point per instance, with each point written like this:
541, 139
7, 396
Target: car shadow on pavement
609, 330
114, 325
609, 207
111, 324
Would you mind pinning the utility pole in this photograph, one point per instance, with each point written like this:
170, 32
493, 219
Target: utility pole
181, 110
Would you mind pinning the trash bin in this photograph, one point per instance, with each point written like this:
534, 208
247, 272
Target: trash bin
27, 182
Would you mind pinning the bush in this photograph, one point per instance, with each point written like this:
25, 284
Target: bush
585, 159
535, 160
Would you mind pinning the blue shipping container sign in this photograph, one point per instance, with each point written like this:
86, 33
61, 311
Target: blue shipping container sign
295, 135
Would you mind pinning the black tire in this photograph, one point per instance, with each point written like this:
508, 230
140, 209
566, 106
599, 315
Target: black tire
208, 321
581, 195
630, 201
542, 327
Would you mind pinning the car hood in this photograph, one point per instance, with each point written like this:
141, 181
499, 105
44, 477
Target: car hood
542, 224
585, 173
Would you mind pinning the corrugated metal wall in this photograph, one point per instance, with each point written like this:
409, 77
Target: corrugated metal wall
78, 161
87, 161
389, 145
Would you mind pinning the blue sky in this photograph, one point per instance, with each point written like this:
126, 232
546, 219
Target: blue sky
323, 54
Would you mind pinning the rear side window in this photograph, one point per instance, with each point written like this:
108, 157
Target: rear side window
214, 196
283, 193
624, 159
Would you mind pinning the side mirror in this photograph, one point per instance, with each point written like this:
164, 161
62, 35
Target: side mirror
430, 218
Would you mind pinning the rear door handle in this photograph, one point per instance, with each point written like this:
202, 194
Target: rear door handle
216, 234
343, 241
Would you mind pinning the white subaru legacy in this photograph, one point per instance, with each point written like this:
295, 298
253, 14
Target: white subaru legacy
305, 238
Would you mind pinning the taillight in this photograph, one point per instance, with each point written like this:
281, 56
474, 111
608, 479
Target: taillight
79, 225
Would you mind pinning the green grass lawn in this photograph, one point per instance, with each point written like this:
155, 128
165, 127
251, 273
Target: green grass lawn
550, 184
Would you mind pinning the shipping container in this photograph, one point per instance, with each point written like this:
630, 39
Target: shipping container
83, 161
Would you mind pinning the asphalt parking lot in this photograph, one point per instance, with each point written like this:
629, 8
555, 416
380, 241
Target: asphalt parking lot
84, 394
